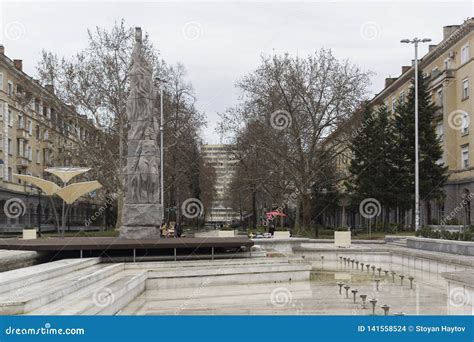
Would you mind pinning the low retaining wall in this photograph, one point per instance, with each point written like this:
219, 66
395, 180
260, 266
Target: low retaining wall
284, 246
11, 260
443, 246
460, 292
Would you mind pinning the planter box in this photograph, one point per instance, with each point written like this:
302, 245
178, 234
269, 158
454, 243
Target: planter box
281, 234
29, 234
225, 233
342, 239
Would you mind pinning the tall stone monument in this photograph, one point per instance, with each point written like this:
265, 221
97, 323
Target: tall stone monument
142, 211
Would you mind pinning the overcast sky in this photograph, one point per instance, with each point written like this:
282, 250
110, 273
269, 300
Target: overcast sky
219, 42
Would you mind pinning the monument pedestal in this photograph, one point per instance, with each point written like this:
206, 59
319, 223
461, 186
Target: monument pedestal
140, 221
138, 232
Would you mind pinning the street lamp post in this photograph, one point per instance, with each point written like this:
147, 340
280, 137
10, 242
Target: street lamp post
162, 128
415, 42
161, 155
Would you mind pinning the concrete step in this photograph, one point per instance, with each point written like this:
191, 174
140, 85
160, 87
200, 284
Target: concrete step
104, 297
228, 274
170, 301
398, 243
12, 280
206, 263
33, 296
84, 287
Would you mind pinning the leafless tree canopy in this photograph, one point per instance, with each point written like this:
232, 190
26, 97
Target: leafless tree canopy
95, 81
289, 107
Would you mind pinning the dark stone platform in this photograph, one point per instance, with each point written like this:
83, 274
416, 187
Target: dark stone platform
112, 243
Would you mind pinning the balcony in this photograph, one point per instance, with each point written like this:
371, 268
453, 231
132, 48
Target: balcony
22, 133
438, 77
22, 162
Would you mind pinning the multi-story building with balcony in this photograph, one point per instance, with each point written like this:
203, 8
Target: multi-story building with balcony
448, 68
222, 158
35, 128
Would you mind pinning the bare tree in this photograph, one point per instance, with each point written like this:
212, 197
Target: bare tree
297, 103
95, 81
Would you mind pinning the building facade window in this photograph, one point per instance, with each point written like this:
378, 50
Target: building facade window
21, 148
465, 123
21, 121
465, 156
38, 156
464, 53
402, 97
10, 88
439, 97
465, 88
10, 117
30, 153
10, 174
1, 81
9, 146
447, 64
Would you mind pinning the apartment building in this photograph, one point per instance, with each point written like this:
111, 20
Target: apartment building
35, 129
448, 67
222, 158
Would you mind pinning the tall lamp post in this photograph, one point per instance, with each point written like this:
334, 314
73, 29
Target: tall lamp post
415, 42
162, 128
162, 164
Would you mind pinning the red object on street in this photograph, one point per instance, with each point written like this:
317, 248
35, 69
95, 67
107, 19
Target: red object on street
274, 213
